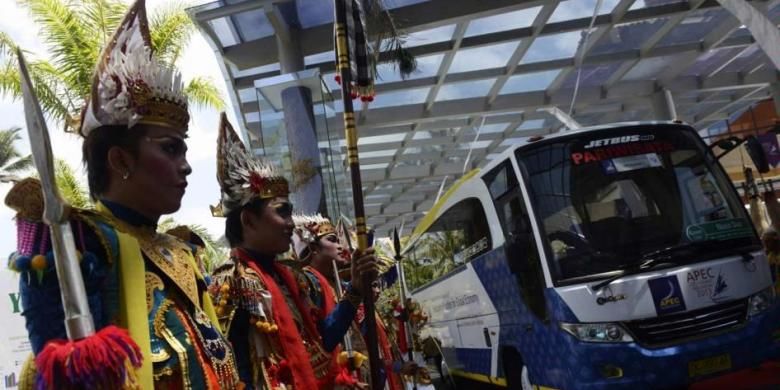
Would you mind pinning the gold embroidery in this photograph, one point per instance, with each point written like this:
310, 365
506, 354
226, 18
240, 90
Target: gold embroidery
166, 371
162, 331
153, 282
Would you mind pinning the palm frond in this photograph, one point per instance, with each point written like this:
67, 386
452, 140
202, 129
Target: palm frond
103, 18
166, 224
8, 150
70, 187
202, 92
53, 94
20, 165
7, 45
170, 28
70, 42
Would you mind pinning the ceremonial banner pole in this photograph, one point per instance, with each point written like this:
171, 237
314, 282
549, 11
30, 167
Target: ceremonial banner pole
350, 130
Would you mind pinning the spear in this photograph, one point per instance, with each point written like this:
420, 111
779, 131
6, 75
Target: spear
86, 359
350, 130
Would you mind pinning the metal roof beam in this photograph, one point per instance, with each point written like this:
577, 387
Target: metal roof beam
320, 39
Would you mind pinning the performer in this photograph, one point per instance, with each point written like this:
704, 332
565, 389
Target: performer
319, 246
264, 305
134, 125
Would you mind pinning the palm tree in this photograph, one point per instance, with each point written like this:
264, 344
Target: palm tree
213, 254
75, 33
11, 161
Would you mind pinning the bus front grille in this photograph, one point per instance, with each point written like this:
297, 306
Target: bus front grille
690, 325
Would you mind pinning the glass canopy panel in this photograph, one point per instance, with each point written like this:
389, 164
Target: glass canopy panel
747, 60
531, 125
576, 9
553, 47
502, 22
538, 81
224, 32
433, 35
493, 56
465, 90
591, 75
694, 27
649, 68
253, 25
494, 128
313, 13
652, 3
627, 36
711, 60
318, 58
400, 98
427, 66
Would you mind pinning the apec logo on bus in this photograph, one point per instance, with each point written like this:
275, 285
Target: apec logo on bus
667, 295
618, 140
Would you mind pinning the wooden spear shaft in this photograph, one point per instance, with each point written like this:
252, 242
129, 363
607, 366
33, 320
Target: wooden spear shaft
350, 130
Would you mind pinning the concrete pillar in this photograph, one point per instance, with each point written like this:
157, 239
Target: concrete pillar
307, 188
663, 106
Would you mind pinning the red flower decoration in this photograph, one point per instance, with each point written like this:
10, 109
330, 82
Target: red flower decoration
256, 182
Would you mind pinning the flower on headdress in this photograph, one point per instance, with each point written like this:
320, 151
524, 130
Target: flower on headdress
256, 182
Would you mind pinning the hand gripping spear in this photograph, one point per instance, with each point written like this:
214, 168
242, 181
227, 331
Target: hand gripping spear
86, 359
350, 130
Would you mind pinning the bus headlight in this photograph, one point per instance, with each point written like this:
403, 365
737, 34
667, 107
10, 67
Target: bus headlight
761, 301
598, 332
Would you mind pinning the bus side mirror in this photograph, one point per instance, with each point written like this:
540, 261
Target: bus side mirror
757, 154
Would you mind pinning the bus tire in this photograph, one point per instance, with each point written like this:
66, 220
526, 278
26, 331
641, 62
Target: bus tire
515, 378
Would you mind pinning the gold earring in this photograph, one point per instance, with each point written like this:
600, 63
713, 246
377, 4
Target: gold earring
126, 175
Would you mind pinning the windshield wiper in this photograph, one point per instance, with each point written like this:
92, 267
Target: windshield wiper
648, 263
663, 256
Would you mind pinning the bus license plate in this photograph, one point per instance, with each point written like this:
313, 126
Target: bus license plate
709, 365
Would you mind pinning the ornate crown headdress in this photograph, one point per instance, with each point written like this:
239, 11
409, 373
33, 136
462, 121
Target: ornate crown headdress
241, 176
309, 229
130, 86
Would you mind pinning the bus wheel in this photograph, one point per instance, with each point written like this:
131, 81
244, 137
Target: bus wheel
516, 372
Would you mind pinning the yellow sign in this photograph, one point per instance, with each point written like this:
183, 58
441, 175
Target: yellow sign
709, 365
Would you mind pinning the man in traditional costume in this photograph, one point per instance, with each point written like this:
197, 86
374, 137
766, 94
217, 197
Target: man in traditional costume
138, 282
322, 249
281, 342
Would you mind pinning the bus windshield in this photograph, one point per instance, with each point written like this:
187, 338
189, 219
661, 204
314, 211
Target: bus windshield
605, 201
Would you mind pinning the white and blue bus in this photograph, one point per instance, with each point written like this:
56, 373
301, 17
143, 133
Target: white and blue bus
616, 256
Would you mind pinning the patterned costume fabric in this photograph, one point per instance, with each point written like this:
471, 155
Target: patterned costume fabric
281, 341
184, 349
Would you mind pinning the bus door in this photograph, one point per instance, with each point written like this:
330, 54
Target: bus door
529, 312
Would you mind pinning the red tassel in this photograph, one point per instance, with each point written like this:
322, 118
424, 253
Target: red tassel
338, 78
344, 378
103, 360
353, 95
370, 98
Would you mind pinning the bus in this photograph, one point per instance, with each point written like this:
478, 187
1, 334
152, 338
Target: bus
617, 256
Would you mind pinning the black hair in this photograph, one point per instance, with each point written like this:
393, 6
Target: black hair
95, 153
234, 232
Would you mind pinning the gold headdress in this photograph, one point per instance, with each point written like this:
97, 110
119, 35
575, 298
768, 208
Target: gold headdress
241, 176
309, 229
130, 86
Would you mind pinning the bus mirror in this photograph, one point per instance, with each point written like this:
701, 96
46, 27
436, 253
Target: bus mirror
757, 154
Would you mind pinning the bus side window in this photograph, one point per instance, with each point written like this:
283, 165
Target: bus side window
455, 238
520, 245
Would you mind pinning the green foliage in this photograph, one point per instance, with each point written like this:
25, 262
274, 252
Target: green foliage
12, 163
70, 187
75, 33
213, 255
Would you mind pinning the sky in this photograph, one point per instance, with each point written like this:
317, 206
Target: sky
198, 60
